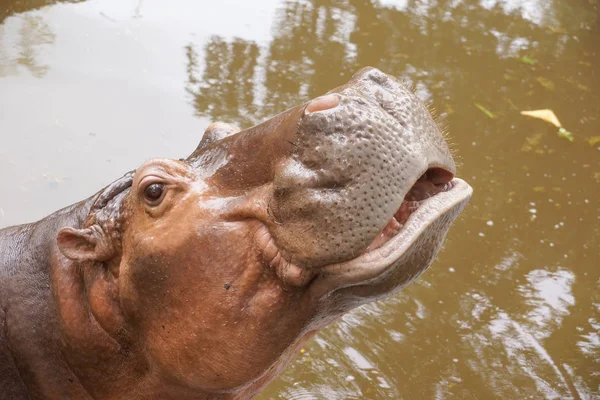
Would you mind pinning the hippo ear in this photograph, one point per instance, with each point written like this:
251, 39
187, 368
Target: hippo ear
89, 244
217, 131
95, 243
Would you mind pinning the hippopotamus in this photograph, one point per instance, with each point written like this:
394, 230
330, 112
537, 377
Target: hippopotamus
201, 277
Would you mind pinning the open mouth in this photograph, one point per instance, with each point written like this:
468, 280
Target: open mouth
418, 227
432, 182
432, 203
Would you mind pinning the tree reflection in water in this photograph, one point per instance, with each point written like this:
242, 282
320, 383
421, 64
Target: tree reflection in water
436, 45
229, 70
33, 34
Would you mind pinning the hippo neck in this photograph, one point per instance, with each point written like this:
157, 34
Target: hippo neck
27, 310
41, 296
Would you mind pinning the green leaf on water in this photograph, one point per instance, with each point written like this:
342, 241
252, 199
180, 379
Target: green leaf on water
563, 133
594, 140
528, 60
485, 111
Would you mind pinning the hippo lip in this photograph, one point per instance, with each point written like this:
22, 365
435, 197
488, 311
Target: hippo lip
399, 236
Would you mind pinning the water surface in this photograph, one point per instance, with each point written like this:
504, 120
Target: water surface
511, 308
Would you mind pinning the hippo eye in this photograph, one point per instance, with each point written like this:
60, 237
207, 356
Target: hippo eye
154, 192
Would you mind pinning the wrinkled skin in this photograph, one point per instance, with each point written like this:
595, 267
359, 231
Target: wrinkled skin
201, 278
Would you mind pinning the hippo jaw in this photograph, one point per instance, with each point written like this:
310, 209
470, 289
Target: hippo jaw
405, 248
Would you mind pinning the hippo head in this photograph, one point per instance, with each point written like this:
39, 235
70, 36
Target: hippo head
220, 265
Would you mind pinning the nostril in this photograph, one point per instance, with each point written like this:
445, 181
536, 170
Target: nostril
438, 176
322, 103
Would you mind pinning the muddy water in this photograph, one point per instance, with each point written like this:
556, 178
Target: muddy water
511, 308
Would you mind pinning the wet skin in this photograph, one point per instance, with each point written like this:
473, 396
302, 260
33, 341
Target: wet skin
201, 278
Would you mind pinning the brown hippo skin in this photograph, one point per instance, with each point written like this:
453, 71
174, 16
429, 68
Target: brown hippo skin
201, 278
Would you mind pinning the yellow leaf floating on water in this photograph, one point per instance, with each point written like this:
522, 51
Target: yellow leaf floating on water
550, 117
545, 115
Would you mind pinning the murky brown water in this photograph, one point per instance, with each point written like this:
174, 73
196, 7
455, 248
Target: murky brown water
510, 310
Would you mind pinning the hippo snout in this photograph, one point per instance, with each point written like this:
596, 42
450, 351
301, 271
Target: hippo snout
355, 156
346, 186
